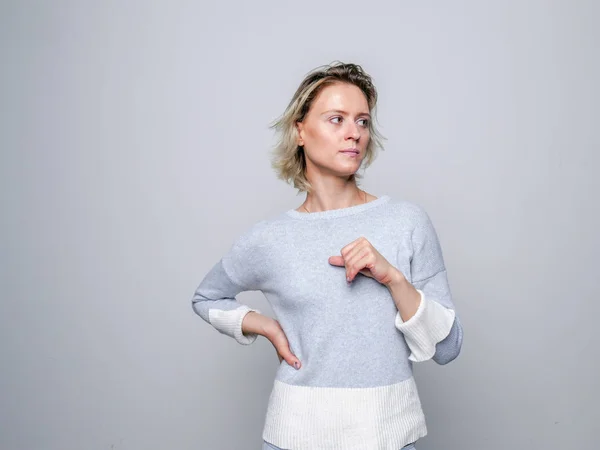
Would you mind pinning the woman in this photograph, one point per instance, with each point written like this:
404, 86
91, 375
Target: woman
357, 283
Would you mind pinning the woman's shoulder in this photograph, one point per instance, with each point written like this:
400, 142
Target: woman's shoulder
262, 232
408, 210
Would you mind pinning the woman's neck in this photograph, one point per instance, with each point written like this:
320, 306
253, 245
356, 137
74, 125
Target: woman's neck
325, 198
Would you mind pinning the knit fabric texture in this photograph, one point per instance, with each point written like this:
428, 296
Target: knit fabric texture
355, 389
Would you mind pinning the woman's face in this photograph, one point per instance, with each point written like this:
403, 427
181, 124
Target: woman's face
335, 131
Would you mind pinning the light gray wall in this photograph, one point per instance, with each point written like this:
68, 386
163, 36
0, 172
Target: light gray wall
134, 150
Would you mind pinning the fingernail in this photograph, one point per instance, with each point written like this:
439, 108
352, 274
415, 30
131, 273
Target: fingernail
297, 365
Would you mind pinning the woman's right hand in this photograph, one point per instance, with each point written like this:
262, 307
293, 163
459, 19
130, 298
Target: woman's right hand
271, 329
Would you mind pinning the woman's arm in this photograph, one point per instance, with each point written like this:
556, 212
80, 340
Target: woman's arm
433, 331
214, 301
215, 298
426, 313
256, 323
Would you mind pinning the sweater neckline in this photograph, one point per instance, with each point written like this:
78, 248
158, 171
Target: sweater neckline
340, 212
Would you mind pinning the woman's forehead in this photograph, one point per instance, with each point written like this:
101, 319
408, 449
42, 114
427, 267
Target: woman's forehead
341, 97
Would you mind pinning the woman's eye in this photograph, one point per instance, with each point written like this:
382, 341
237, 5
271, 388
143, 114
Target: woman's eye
339, 119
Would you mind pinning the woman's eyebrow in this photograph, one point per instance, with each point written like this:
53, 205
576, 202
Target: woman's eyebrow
339, 111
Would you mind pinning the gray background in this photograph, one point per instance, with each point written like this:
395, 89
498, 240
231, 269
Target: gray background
135, 149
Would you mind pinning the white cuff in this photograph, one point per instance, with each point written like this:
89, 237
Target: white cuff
230, 323
430, 324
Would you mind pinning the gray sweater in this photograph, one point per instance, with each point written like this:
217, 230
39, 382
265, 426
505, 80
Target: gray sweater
355, 389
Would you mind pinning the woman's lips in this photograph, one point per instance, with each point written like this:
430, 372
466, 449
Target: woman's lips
353, 152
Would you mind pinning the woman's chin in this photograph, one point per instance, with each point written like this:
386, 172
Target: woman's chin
348, 171
340, 170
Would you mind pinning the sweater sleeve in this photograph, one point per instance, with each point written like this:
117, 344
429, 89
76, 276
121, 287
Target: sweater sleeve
215, 298
434, 332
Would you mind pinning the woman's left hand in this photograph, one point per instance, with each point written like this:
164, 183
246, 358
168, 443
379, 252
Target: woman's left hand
361, 257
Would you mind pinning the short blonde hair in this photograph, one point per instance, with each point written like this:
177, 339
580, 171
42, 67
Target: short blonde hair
288, 158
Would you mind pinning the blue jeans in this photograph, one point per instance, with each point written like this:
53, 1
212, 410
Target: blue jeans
267, 446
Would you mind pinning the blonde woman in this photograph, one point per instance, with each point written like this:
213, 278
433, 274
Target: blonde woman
357, 283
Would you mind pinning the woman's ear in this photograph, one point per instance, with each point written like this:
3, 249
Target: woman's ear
300, 133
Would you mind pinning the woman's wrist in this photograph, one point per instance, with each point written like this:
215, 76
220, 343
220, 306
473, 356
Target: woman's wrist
406, 297
256, 323
397, 280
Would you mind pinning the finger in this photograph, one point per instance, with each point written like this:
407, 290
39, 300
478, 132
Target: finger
366, 273
284, 351
336, 261
357, 249
359, 261
351, 245
362, 246
339, 260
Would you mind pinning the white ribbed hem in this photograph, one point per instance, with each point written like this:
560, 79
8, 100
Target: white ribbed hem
378, 418
430, 324
230, 323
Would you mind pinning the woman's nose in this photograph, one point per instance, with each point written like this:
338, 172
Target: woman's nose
353, 132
